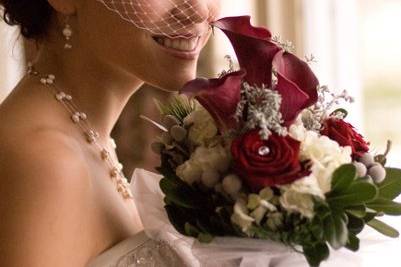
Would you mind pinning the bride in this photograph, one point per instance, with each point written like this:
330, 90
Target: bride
64, 200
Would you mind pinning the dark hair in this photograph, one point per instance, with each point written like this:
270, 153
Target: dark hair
33, 16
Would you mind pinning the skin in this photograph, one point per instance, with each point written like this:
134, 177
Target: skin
58, 206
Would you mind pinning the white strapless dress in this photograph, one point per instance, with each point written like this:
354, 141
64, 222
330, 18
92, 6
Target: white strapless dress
138, 250
160, 245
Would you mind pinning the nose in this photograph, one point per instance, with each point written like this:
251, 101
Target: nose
189, 12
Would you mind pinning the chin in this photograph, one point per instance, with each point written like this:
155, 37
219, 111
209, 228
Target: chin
174, 79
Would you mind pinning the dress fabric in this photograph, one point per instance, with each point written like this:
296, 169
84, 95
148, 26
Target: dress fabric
138, 250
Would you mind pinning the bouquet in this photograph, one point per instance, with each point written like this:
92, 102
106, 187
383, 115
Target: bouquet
265, 152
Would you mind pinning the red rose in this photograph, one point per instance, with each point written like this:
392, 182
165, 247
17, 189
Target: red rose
269, 162
345, 135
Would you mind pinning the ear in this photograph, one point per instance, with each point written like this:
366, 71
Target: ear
65, 7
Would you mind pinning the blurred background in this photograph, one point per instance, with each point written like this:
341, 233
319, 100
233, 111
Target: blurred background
357, 44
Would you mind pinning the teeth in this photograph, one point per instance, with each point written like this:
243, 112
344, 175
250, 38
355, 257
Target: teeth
179, 44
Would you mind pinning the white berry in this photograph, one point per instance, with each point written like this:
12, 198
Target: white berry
232, 184
367, 159
361, 169
377, 172
178, 133
210, 178
170, 121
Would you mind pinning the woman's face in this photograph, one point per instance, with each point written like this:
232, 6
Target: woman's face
162, 61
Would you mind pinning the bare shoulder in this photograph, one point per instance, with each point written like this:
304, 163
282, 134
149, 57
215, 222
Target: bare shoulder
40, 155
42, 200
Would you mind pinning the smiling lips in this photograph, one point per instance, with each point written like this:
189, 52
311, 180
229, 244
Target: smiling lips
180, 44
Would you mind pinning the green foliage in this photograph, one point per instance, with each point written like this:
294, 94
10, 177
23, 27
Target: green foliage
347, 191
383, 228
343, 177
316, 253
353, 242
355, 225
335, 229
179, 107
386, 206
192, 211
358, 193
342, 111
390, 188
357, 211
338, 219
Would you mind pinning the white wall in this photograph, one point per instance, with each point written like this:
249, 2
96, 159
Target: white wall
11, 59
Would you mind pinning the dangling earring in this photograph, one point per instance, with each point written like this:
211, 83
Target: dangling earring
67, 32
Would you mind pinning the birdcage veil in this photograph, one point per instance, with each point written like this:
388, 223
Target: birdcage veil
171, 18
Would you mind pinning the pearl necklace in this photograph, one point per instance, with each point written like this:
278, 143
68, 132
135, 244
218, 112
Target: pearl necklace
81, 119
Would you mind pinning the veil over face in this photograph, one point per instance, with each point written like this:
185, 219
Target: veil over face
171, 18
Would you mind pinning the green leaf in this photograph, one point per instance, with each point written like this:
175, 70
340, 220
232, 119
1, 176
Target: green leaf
191, 230
390, 188
353, 242
387, 206
369, 216
357, 211
176, 193
166, 170
317, 253
179, 106
383, 228
335, 229
316, 228
343, 178
178, 217
355, 225
205, 238
342, 111
259, 232
357, 194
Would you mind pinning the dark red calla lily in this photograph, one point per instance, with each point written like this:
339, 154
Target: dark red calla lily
253, 47
258, 55
298, 72
297, 85
220, 97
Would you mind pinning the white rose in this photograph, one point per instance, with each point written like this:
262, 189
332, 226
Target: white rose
202, 126
294, 201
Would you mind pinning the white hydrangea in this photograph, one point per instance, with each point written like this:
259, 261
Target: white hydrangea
189, 172
204, 159
214, 158
202, 126
294, 201
325, 156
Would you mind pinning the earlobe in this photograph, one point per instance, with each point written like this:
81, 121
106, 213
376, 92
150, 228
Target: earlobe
65, 7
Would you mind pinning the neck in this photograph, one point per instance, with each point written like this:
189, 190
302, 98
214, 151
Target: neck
97, 88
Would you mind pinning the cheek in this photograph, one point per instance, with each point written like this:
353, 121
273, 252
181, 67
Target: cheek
214, 9
124, 47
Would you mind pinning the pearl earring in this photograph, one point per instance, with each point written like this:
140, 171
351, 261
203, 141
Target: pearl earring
67, 32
